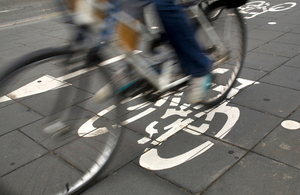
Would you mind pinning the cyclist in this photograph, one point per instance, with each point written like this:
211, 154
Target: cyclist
181, 36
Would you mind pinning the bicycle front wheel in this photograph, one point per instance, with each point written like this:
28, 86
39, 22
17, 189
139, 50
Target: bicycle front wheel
53, 139
230, 30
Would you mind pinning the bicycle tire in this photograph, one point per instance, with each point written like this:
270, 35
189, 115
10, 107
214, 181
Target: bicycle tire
233, 35
71, 155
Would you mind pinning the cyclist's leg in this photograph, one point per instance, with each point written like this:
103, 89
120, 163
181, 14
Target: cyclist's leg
182, 38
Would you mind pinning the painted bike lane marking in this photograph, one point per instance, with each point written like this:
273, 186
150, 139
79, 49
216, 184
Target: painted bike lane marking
256, 8
151, 159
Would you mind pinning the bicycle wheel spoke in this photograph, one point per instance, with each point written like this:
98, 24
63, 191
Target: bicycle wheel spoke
47, 98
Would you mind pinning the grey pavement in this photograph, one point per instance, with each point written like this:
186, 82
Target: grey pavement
246, 146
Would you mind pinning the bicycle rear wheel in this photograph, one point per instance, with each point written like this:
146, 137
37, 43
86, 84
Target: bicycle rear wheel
53, 139
230, 28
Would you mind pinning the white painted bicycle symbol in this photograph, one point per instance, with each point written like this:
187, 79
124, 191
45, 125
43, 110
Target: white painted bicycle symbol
255, 8
183, 117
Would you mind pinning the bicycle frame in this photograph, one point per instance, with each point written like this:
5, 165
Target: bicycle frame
162, 82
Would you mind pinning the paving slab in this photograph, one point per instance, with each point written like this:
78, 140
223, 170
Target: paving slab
284, 76
63, 33
210, 161
264, 35
290, 19
50, 25
294, 62
255, 22
289, 38
9, 45
246, 126
264, 62
24, 181
282, 143
17, 50
131, 147
295, 115
268, 98
250, 74
253, 44
296, 30
279, 27
256, 174
70, 96
15, 116
33, 130
126, 180
20, 31
16, 150
279, 49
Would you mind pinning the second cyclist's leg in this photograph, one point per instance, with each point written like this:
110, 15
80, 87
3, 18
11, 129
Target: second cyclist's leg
181, 36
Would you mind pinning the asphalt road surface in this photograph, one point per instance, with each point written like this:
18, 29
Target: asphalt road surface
16, 10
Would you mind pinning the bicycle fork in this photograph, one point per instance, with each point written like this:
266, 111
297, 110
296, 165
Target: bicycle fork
222, 52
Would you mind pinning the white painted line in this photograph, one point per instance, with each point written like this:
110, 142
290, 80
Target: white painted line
272, 23
8, 10
136, 117
38, 86
30, 19
105, 111
47, 83
291, 125
152, 161
175, 101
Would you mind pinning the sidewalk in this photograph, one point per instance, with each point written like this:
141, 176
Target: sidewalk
259, 152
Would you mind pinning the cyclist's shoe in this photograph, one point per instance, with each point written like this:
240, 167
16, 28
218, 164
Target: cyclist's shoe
121, 82
198, 89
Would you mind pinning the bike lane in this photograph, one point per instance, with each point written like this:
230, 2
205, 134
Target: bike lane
195, 155
247, 145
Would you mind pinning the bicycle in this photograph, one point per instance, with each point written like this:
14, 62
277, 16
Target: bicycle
65, 80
